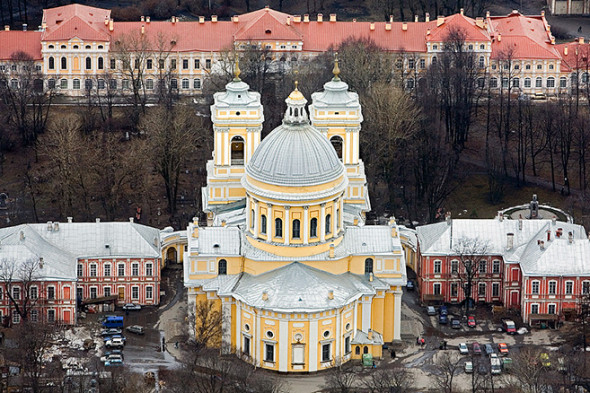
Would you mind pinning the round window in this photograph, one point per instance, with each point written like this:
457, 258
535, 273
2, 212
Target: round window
238, 113
326, 334
269, 334
246, 327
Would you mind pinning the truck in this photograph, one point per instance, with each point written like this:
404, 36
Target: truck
496, 364
508, 326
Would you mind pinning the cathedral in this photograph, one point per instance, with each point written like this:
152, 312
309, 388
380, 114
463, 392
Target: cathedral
302, 283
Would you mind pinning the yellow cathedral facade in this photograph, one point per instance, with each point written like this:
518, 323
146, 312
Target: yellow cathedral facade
302, 283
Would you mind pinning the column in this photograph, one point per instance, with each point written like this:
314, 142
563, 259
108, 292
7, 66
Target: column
322, 228
366, 315
397, 311
256, 341
341, 211
256, 217
226, 147
283, 347
347, 151
248, 214
269, 223
238, 325
338, 342
305, 224
286, 224
226, 326
313, 345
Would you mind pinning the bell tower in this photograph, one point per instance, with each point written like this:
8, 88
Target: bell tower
336, 113
237, 117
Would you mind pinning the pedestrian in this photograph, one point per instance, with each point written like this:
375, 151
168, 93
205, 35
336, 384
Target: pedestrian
580, 29
374, 365
417, 340
176, 345
393, 353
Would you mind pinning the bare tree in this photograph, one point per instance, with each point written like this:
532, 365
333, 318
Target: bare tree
469, 251
448, 367
17, 278
394, 379
341, 377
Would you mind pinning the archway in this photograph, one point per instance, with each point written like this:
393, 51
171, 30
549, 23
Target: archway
338, 144
237, 150
171, 255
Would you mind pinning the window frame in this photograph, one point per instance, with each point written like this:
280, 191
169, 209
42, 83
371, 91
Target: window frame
536, 287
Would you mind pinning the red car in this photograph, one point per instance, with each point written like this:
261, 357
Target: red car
503, 349
471, 321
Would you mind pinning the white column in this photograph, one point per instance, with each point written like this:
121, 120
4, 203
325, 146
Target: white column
355, 147
354, 318
226, 147
256, 213
256, 342
346, 153
322, 227
397, 311
269, 223
238, 324
313, 345
248, 149
305, 224
248, 214
366, 316
342, 211
339, 340
283, 345
226, 326
286, 224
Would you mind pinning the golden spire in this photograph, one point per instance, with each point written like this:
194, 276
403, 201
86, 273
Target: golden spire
296, 94
336, 70
296, 81
237, 71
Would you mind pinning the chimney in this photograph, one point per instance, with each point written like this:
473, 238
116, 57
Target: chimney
331, 295
548, 235
448, 218
306, 18
173, 19
320, 18
520, 224
542, 13
196, 221
41, 263
223, 223
6, 27
142, 29
415, 18
147, 19
390, 18
509, 241
541, 244
371, 277
388, 27
70, 220
548, 28
55, 226
297, 19
565, 50
553, 220
106, 20
49, 226
111, 25
264, 296
427, 18
370, 334
581, 40
500, 216
552, 40
372, 26
559, 232
142, 18
487, 14
201, 19
131, 220
331, 250
428, 32
570, 237
98, 220
462, 11
22, 236
214, 18
404, 26
332, 17
440, 21
288, 21
356, 221
499, 37
25, 27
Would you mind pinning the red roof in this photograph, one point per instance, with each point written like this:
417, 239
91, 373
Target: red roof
526, 36
459, 22
264, 24
20, 41
578, 55
75, 20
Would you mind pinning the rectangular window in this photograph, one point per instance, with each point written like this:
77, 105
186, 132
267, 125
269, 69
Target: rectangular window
161, 63
125, 84
51, 293
93, 270
101, 84
174, 84
93, 293
551, 309
121, 270
326, 352
79, 293
50, 316
552, 287
496, 267
527, 82
436, 289
534, 308
454, 267
34, 316
539, 82
197, 64
15, 317
569, 287
113, 64
185, 83
504, 83
550, 82
149, 84
481, 289
493, 83
208, 64
246, 349
136, 64
347, 346
422, 64
482, 266
113, 84
107, 270
76, 84
134, 293
535, 287
149, 292
585, 287
454, 289
173, 64
197, 83
149, 269
562, 82
269, 352
185, 64
495, 289
16, 293
1, 296
149, 64
106, 291
51, 84
411, 63
80, 270
34, 293
135, 269
437, 267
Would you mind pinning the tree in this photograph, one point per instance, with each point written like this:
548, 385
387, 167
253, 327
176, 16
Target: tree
172, 137
448, 367
395, 379
17, 277
468, 251
340, 378
206, 322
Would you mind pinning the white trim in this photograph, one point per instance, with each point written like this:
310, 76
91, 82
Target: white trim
283, 345
313, 347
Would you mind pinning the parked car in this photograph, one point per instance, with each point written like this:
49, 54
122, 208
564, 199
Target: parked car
522, 330
468, 367
110, 332
539, 96
107, 338
503, 349
471, 321
463, 350
410, 285
476, 348
115, 342
430, 310
135, 329
545, 360
114, 362
443, 319
482, 369
111, 357
509, 326
443, 310
114, 352
131, 307
455, 323
489, 349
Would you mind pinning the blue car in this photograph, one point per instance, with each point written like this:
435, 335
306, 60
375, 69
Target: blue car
443, 310
107, 338
443, 319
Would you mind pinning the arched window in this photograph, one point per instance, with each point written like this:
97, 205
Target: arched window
88, 63
313, 227
551, 82
482, 62
328, 223
337, 144
100, 63
368, 265
222, 267
252, 218
278, 227
64, 63
366, 349
585, 77
237, 150
433, 59
263, 224
357, 350
51, 63
296, 229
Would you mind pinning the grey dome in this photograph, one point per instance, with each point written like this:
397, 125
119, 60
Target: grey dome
295, 155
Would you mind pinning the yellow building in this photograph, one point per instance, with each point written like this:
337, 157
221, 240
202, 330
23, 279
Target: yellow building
302, 283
